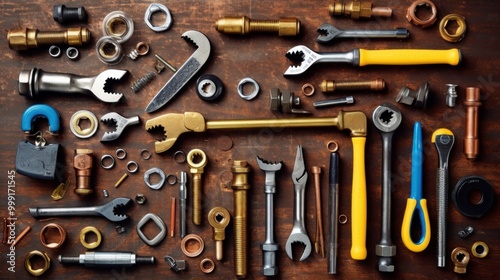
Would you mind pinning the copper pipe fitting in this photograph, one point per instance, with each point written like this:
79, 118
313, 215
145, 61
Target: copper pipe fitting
411, 13
471, 141
48, 229
358, 9
25, 38
83, 169
244, 25
372, 85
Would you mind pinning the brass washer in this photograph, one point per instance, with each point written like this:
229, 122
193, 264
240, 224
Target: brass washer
94, 244
197, 239
459, 33
62, 234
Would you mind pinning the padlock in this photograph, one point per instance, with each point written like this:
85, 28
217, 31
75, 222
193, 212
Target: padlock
39, 162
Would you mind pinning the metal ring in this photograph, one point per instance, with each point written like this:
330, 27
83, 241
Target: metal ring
154, 170
145, 154
60, 230
156, 7
424, 23
130, 164
308, 86
109, 50
180, 157
84, 233
209, 87
109, 166
72, 53
480, 249
159, 222
121, 153
54, 51
118, 18
343, 219
144, 47
459, 33
209, 268
171, 179
39, 271
77, 130
253, 94
332, 146
187, 250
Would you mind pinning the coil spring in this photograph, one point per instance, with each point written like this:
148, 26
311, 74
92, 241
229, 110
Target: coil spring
142, 82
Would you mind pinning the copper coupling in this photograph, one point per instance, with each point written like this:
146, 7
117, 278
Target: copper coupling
471, 141
358, 9
328, 86
82, 163
244, 25
50, 242
25, 38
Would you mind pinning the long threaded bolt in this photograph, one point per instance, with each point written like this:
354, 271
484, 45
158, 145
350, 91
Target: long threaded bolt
471, 141
244, 25
358, 9
240, 185
197, 160
24, 38
333, 102
373, 85
142, 82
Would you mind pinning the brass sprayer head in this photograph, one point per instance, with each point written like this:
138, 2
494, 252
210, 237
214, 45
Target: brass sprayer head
244, 25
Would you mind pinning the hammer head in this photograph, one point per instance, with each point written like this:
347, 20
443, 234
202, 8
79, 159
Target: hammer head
354, 121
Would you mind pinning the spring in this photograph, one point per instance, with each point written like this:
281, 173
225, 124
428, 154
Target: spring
142, 82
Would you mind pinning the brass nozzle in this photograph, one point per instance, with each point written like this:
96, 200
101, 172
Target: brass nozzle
83, 169
25, 38
471, 141
240, 185
244, 25
358, 9
373, 85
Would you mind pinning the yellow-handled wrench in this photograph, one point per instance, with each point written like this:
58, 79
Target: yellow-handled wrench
303, 57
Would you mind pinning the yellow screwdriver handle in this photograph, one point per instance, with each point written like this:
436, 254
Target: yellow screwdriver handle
409, 57
358, 200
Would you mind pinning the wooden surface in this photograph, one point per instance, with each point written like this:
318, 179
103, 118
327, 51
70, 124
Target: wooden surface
262, 58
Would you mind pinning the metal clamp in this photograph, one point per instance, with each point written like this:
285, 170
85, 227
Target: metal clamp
156, 7
253, 94
91, 245
159, 222
154, 170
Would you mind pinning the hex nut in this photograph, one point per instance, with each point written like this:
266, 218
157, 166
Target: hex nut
385, 250
24, 82
274, 99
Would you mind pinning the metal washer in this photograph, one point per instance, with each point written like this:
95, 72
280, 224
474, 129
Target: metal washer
253, 94
77, 130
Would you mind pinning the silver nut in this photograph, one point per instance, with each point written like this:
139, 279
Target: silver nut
385, 250
24, 82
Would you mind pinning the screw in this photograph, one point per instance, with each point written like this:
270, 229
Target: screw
451, 95
466, 232
24, 38
244, 25
63, 14
240, 185
333, 102
373, 85
142, 82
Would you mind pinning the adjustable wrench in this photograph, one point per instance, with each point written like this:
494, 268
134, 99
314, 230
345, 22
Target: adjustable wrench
185, 72
34, 82
329, 32
299, 233
387, 119
121, 123
269, 247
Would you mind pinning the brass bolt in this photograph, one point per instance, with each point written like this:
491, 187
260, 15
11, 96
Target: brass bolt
197, 168
244, 25
358, 9
25, 38
373, 85
83, 169
460, 258
240, 185
219, 218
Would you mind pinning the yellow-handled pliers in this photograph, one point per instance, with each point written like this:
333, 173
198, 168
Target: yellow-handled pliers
416, 204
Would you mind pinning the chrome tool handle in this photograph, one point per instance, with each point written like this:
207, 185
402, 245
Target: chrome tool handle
63, 211
298, 214
442, 207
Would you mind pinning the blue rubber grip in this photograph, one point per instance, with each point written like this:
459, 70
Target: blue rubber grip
40, 111
417, 159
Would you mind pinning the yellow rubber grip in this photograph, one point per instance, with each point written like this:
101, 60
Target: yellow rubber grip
419, 246
358, 200
409, 57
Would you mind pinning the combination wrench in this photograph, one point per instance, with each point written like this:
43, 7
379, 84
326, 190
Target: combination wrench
387, 119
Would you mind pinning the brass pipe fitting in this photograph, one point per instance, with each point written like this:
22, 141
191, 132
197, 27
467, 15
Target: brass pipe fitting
460, 258
82, 163
358, 9
197, 160
244, 25
459, 33
373, 85
25, 38
29, 266
240, 185
471, 141
411, 13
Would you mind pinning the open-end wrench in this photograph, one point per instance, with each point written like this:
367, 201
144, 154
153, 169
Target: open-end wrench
111, 210
185, 72
120, 122
329, 32
443, 139
35, 82
269, 247
386, 119
302, 57
299, 233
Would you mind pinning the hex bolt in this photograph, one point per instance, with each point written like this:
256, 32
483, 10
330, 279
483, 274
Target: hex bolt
285, 101
358, 9
63, 14
451, 95
24, 38
328, 86
333, 102
240, 186
471, 141
418, 97
244, 25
